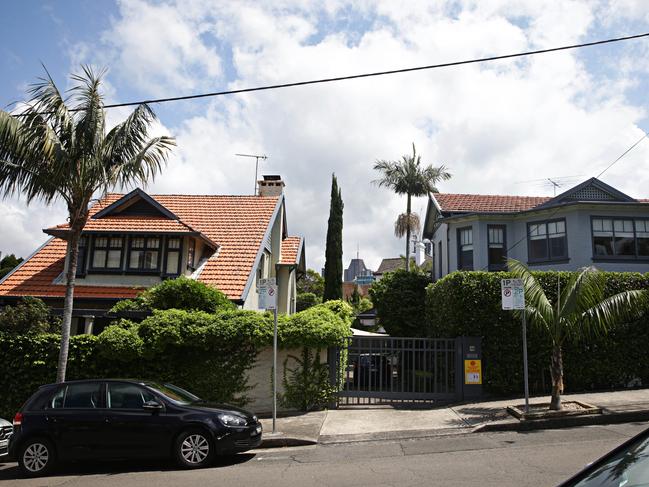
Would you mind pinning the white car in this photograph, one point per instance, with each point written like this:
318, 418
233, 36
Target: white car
6, 429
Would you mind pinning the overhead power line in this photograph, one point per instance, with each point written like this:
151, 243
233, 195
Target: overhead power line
377, 73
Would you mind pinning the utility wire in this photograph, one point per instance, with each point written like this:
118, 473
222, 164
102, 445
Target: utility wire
376, 73
527, 234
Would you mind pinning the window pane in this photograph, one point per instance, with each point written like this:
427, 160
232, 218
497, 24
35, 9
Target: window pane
83, 395
114, 258
135, 259
116, 242
172, 262
151, 260
127, 396
603, 245
597, 225
101, 242
496, 236
99, 259
558, 247
173, 243
624, 245
137, 243
642, 226
538, 231
496, 257
643, 246
57, 400
83, 241
561, 226
466, 259
153, 243
538, 249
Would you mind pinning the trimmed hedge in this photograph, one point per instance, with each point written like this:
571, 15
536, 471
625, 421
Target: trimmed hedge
469, 304
206, 353
399, 298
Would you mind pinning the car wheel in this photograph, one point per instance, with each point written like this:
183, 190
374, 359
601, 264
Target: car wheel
36, 457
194, 449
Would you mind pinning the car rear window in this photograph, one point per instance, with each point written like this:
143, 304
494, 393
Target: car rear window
77, 396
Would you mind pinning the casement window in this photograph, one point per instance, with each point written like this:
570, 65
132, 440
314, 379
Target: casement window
620, 238
173, 256
107, 252
497, 247
191, 250
546, 241
465, 249
144, 254
82, 256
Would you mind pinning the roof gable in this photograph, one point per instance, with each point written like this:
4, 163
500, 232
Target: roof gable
590, 190
135, 203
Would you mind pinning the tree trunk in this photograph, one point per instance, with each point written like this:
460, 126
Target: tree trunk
73, 253
408, 235
556, 370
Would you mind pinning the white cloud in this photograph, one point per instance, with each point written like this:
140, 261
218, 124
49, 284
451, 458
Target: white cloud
493, 125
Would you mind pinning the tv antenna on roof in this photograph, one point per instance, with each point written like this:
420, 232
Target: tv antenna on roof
257, 157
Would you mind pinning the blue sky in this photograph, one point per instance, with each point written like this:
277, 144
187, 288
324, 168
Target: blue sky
496, 126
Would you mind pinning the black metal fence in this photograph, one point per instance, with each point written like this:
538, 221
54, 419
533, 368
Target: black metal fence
377, 369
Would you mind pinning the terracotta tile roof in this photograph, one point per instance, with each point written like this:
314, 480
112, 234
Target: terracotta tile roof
290, 249
481, 203
237, 224
392, 264
128, 223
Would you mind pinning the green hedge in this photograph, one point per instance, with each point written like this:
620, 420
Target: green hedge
206, 353
469, 303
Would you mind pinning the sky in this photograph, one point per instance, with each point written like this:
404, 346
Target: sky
499, 127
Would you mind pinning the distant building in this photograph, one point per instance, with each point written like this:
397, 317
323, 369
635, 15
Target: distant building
357, 272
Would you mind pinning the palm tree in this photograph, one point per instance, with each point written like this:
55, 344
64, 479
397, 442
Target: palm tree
58, 149
407, 176
580, 311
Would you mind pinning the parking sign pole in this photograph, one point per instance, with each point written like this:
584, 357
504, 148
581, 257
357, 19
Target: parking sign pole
527, 387
274, 368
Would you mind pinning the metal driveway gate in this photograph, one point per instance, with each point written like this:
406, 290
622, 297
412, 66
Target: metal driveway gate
375, 369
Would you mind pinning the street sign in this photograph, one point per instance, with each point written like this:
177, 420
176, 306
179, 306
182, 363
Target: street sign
267, 293
513, 293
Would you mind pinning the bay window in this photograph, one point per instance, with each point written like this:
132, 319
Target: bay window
620, 238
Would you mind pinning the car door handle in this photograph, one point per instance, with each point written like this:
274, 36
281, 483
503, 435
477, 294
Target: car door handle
52, 419
106, 419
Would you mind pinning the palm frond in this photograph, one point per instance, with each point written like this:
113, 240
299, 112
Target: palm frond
541, 310
406, 222
619, 307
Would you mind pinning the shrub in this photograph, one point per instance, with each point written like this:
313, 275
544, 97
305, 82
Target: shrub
306, 385
469, 303
29, 315
189, 294
306, 300
399, 298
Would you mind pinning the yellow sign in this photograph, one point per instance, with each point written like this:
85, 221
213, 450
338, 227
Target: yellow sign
473, 372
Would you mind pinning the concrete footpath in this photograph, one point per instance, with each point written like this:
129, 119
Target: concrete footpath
366, 423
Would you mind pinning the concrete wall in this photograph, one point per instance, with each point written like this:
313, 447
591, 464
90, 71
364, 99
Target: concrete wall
260, 376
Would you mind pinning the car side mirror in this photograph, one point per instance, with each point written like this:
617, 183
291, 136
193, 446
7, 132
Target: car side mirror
152, 406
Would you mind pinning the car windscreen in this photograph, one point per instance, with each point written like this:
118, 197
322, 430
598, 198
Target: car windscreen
627, 468
173, 393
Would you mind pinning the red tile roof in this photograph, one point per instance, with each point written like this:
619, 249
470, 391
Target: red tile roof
290, 249
237, 224
481, 203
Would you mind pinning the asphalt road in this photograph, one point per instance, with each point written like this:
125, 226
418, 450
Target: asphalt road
539, 458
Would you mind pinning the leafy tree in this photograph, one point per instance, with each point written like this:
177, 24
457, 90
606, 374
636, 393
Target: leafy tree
407, 176
305, 301
399, 299
29, 315
333, 279
58, 149
311, 282
581, 310
8, 263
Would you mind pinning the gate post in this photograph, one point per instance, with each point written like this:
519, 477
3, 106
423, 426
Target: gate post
469, 371
333, 361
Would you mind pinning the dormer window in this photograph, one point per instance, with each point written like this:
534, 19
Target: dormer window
144, 254
107, 252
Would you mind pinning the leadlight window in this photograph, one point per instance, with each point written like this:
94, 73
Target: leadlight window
465, 248
620, 237
497, 249
173, 256
107, 252
547, 241
144, 254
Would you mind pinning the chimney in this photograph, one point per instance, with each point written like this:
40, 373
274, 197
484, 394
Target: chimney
271, 185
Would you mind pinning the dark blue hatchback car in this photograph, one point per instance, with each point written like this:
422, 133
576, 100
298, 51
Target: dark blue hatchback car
126, 419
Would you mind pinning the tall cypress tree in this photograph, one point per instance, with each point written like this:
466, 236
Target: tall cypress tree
333, 288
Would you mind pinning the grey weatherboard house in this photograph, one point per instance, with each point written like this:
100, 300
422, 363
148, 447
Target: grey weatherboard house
590, 224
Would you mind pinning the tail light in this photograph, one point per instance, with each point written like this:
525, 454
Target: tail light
18, 419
